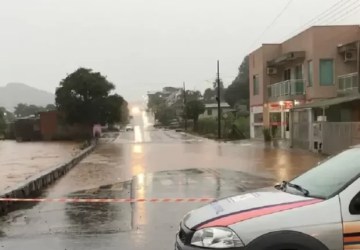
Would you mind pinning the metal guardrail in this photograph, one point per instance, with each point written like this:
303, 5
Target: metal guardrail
348, 82
287, 88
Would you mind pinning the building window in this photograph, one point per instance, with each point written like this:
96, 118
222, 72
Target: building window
209, 112
255, 85
299, 72
287, 74
326, 72
310, 73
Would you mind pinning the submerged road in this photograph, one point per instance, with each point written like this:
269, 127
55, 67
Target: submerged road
147, 163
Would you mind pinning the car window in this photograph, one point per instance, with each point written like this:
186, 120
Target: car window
332, 175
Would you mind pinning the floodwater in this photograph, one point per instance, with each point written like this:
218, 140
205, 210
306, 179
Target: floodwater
19, 161
147, 163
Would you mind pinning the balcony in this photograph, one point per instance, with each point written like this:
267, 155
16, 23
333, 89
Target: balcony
348, 84
286, 90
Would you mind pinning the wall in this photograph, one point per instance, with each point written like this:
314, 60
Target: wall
48, 124
326, 41
258, 66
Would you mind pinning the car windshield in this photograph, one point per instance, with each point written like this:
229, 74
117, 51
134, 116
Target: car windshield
332, 175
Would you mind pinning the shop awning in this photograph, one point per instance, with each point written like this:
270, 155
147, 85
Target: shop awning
329, 102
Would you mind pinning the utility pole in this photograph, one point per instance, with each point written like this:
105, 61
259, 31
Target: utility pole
185, 113
218, 100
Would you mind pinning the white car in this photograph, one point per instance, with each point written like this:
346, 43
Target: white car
129, 128
318, 210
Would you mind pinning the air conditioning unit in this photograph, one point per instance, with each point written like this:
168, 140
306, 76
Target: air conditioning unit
271, 71
350, 56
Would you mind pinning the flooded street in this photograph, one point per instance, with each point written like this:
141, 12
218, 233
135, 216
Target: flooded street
147, 164
19, 161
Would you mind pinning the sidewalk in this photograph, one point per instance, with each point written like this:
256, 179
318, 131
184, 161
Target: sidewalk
20, 161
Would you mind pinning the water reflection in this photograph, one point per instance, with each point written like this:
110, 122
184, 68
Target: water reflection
138, 134
99, 218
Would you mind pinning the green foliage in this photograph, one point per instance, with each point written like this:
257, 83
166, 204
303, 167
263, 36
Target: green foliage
241, 128
222, 90
24, 110
192, 95
2, 124
238, 90
156, 101
232, 128
165, 114
209, 95
193, 109
207, 126
84, 97
7, 116
50, 107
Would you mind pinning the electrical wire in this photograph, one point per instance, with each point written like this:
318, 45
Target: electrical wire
342, 12
348, 13
331, 10
287, 5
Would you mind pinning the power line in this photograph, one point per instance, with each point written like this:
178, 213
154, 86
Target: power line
333, 8
342, 4
348, 12
353, 10
272, 23
343, 10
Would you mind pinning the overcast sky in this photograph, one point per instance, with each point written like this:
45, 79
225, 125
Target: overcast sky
143, 45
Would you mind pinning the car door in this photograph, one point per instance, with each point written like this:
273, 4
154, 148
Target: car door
350, 209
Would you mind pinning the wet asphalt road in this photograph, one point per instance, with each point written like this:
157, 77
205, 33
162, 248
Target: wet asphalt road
146, 163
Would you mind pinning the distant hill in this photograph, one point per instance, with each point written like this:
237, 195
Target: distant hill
14, 93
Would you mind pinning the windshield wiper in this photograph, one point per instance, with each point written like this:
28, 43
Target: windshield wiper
285, 184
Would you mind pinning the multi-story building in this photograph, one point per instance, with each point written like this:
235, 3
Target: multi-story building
319, 63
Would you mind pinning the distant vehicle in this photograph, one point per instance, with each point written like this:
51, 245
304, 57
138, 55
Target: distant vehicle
157, 125
174, 125
318, 210
129, 128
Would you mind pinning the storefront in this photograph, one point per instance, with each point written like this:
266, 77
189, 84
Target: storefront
279, 118
256, 121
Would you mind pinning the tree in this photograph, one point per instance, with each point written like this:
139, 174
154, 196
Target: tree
2, 123
222, 89
209, 95
165, 115
155, 101
193, 109
24, 110
192, 95
84, 97
7, 116
238, 90
50, 107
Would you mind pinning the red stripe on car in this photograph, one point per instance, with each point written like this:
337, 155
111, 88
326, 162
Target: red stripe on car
257, 212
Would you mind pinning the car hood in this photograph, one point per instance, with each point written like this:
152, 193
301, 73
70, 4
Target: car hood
242, 207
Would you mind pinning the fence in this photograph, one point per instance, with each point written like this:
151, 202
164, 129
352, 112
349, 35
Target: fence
337, 136
300, 129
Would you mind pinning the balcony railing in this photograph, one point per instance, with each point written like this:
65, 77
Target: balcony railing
348, 83
287, 88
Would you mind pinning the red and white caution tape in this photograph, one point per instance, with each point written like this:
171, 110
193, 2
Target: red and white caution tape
83, 200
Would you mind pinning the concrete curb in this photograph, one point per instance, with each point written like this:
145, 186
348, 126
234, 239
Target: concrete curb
36, 183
